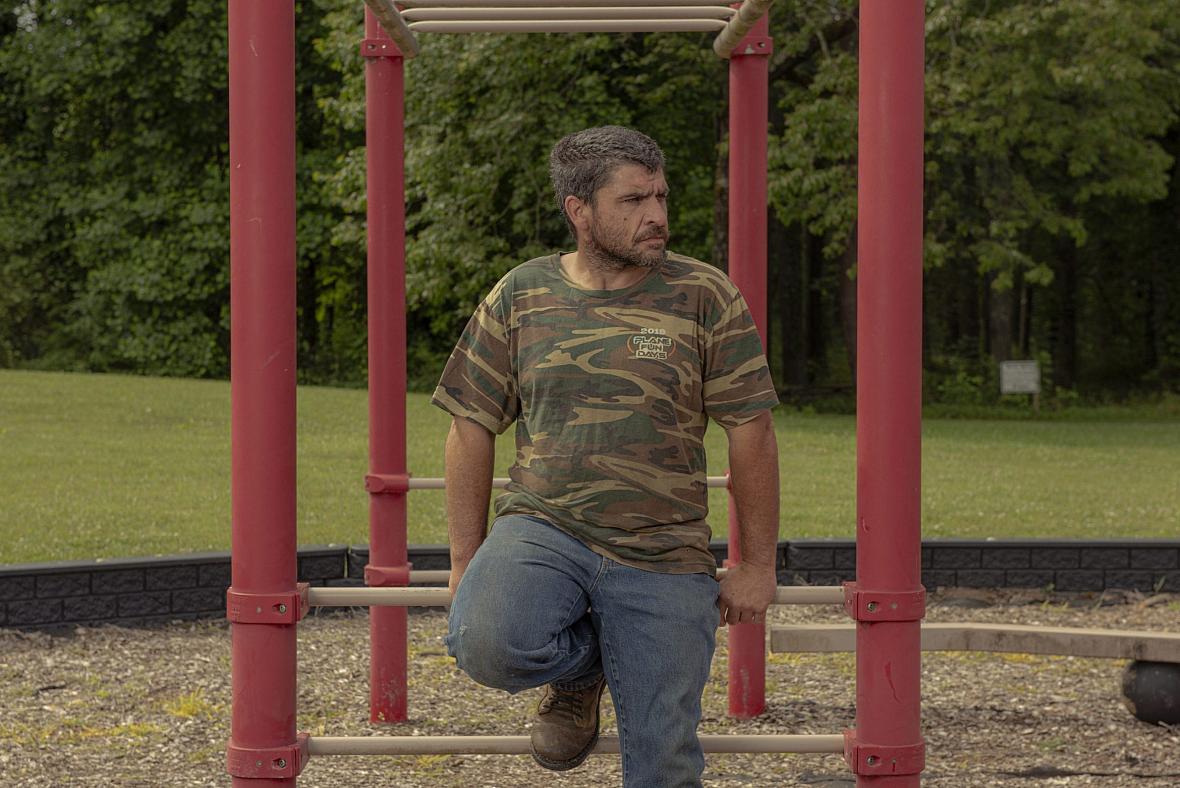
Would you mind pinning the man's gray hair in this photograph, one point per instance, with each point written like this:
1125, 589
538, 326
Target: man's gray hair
581, 163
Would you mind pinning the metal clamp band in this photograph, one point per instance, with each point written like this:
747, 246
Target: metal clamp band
380, 47
883, 760
381, 576
286, 761
387, 483
861, 605
282, 608
754, 45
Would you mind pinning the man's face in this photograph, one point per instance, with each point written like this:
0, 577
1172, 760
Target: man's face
628, 222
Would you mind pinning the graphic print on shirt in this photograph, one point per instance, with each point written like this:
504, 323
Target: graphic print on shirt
652, 343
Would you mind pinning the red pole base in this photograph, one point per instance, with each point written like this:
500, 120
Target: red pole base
747, 669
387, 669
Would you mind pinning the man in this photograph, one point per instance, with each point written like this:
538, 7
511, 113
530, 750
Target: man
610, 359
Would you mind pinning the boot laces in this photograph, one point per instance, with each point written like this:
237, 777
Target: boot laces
564, 703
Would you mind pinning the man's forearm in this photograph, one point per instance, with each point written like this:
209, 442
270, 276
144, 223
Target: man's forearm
470, 452
753, 467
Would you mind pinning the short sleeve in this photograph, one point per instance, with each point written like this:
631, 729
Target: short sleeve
737, 382
478, 383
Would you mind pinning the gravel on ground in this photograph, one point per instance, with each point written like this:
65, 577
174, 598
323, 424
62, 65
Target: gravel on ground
112, 706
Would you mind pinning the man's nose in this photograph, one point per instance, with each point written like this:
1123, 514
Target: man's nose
656, 213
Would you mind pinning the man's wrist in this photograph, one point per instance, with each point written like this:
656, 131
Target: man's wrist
758, 564
463, 556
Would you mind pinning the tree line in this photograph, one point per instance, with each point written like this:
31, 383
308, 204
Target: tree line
1052, 192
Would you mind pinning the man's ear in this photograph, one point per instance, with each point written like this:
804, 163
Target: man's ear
578, 212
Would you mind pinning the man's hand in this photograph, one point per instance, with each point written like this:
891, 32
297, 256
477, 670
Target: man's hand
746, 591
748, 588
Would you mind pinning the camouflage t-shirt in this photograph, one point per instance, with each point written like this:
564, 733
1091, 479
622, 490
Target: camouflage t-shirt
611, 391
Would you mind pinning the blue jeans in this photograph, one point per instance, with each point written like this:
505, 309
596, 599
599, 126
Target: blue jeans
536, 606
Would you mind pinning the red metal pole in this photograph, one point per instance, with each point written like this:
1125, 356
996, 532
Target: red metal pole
749, 100
886, 749
262, 372
385, 147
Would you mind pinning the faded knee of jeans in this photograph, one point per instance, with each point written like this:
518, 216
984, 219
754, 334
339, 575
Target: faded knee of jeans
482, 652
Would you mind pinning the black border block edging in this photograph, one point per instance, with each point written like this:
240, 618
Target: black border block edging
135, 590
1147, 565
150, 590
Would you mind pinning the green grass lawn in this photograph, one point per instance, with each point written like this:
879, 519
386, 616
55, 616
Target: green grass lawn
103, 466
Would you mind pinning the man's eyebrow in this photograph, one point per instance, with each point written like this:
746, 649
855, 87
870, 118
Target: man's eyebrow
663, 192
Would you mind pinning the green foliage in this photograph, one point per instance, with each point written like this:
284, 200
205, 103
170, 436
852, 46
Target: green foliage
1051, 183
113, 165
1034, 111
813, 154
114, 184
962, 384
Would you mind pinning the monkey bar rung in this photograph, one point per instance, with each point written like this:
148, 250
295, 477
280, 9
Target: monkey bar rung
387, 596
519, 745
571, 26
539, 14
549, 4
500, 482
573, 16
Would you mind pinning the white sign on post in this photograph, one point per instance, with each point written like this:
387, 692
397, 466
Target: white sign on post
1020, 377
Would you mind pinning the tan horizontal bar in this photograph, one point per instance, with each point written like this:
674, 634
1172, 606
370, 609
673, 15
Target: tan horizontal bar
748, 14
1007, 638
552, 4
520, 745
605, 12
378, 597
440, 597
439, 483
579, 26
809, 595
393, 24
500, 482
784, 595
430, 575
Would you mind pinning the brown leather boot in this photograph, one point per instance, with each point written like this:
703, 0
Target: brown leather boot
566, 727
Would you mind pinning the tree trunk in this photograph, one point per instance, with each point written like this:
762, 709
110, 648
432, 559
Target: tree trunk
310, 330
721, 182
791, 299
1151, 338
1001, 305
1065, 344
814, 318
1025, 322
848, 303
959, 309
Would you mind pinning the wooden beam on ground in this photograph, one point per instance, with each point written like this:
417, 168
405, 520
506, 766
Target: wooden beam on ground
1007, 638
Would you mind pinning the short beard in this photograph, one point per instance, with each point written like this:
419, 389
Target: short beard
607, 255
